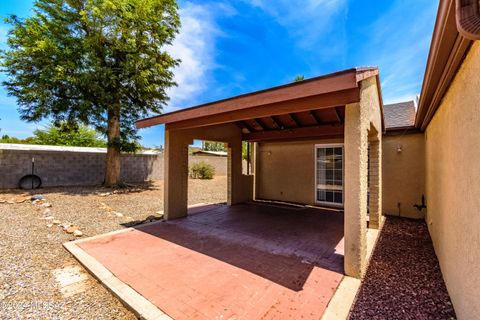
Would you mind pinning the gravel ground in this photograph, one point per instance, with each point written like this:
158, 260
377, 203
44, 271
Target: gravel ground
403, 280
32, 255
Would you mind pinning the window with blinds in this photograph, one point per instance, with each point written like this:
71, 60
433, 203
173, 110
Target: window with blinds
329, 174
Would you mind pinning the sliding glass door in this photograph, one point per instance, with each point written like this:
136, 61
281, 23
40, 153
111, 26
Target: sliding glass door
329, 175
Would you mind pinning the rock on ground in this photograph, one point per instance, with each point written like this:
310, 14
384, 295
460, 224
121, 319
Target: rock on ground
403, 280
31, 247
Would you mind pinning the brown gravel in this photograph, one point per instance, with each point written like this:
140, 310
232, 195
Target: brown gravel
30, 251
403, 280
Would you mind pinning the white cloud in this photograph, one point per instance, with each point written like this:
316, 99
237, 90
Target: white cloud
195, 47
401, 53
3, 36
308, 21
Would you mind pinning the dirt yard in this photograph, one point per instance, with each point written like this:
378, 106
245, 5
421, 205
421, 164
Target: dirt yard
39, 279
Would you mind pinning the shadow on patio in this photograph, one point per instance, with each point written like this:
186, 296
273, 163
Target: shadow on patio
282, 244
250, 261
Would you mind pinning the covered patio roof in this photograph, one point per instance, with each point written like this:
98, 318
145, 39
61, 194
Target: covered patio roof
345, 105
307, 109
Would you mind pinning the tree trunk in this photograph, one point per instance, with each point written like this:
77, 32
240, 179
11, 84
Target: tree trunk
112, 169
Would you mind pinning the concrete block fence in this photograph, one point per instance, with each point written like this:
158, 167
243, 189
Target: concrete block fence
75, 166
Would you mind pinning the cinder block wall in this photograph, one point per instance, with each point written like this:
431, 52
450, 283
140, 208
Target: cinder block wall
70, 168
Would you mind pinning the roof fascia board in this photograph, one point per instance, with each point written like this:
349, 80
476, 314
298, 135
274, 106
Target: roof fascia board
298, 90
343, 80
327, 100
447, 50
400, 131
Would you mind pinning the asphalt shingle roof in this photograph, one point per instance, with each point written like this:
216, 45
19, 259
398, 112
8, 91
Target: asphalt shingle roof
399, 115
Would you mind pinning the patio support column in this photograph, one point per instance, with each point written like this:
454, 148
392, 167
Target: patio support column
375, 203
255, 160
234, 169
356, 175
175, 175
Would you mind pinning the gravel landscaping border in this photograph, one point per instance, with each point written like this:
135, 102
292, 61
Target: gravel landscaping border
403, 280
39, 279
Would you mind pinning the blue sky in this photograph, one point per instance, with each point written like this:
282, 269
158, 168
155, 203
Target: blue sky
233, 47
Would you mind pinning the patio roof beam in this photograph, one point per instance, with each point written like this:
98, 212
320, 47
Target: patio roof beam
315, 117
294, 120
295, 133
277, 123
337, 115
244, 125
328, 100
260, 124
270, 123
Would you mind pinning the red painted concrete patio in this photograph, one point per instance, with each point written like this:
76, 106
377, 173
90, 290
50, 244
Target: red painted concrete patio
250, 261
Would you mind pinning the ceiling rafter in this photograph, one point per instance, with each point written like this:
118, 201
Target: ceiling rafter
261, 124
243, 127
337, 115
247, 126
315, 117
296, 133
294, 119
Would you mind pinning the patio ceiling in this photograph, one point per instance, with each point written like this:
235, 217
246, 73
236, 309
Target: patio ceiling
307, 109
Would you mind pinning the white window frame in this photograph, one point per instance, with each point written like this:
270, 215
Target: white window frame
324, 203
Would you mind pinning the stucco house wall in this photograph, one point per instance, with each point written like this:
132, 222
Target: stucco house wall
403, 175
453, 186
286, 171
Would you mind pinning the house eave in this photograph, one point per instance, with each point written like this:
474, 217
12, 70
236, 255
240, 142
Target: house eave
447, 51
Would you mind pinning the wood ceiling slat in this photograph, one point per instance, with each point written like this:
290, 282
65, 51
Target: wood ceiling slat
306, 119
277, 123
341, 113
262, 124
326, 116
286, 121
295, 120
296, 133
254, 125
247, 126
242, 126
269, 123
337, 115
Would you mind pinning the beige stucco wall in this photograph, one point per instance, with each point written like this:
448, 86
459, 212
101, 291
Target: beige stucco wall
403, 175
286, 171
453, 186
240, 186
363, 124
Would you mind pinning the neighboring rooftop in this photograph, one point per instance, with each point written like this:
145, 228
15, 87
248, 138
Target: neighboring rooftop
210, 153
399, 115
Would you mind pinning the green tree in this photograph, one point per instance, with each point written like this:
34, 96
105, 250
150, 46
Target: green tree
99, 62
66, 135
7, 139
299, 78
213, 146
245, 150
